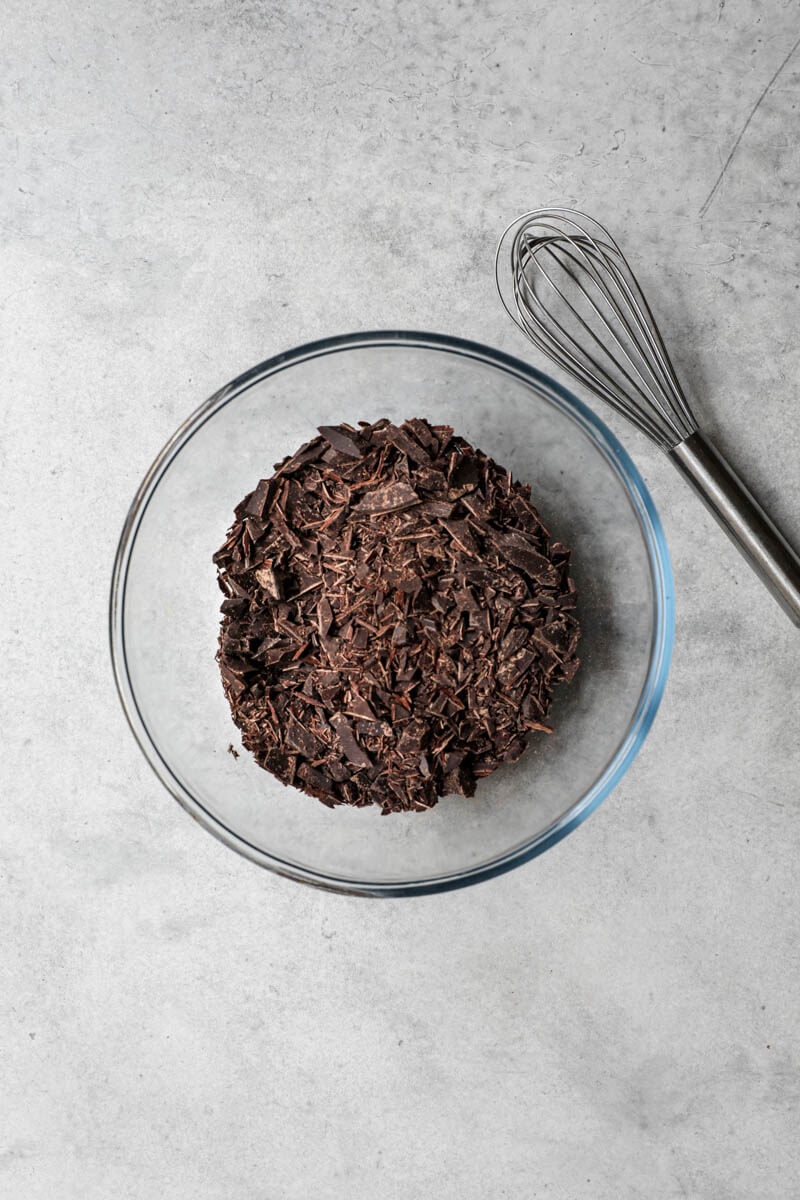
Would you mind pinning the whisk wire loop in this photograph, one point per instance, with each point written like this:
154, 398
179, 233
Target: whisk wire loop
643, 386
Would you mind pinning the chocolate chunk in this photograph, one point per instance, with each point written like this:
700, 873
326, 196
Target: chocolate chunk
395, 617
406, 445
348, 741
476, 506
520, 553
345, 443
236, 606
466, 473
233, 685
460, 782
453, 760
439, 508
358, 707
301, 739
400, 634
324, 616
422, 431
412, 737
270, 581
257, 504
315, 780
390, 498
306, 454
328, 684
461, 535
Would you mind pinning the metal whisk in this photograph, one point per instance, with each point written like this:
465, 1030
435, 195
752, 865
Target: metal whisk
571, 291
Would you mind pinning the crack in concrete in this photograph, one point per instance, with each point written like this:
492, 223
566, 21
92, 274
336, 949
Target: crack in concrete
710, 197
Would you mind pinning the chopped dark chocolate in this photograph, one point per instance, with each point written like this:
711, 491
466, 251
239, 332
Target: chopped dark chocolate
395, 618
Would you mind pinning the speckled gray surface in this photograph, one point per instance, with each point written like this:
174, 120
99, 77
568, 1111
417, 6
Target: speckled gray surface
188, 189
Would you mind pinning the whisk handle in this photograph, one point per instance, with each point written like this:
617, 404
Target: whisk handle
742, 518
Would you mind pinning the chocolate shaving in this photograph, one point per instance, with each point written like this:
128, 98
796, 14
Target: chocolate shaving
395, 617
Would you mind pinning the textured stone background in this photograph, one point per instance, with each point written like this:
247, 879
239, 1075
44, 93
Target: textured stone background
186, 190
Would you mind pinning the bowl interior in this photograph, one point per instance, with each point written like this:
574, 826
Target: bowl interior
168, 611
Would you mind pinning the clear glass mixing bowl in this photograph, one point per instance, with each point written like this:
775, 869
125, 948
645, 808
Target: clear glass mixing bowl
165, 610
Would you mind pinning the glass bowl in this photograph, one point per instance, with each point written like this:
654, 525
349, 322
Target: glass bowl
165, 610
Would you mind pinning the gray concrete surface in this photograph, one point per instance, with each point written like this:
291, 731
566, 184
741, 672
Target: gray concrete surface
186, 190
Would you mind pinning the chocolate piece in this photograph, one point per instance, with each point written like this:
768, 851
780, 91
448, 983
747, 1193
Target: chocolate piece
519, 551
422, 431
348, 742
237, 606
358, 707
390, 498
270, 581
467, 472
256, 504
395, 617
341, 441
460, 533
302, 740
316, 783
404, 443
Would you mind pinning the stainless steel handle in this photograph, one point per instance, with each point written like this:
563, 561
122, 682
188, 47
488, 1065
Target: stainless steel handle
742, 518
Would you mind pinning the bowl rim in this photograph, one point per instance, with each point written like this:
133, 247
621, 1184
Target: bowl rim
661, 642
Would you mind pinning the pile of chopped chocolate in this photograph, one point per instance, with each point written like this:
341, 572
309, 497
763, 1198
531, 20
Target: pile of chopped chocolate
395, 617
